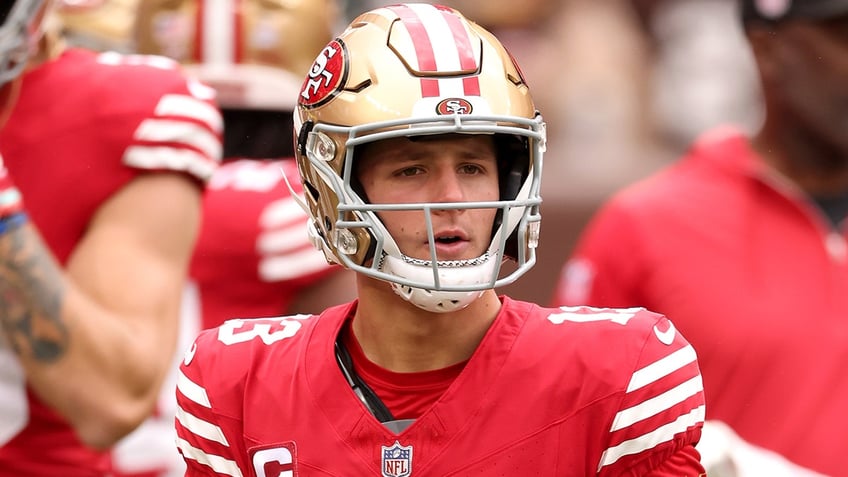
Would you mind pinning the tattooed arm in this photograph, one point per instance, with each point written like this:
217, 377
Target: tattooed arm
96, 339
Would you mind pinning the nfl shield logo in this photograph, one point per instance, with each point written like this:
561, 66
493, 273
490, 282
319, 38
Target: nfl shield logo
397, 460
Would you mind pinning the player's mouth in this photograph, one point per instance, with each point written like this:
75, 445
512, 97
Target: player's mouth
451, 245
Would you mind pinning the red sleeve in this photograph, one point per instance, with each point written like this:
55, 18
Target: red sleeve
661, 412
608, 263
176, 123
684, 463
207, 420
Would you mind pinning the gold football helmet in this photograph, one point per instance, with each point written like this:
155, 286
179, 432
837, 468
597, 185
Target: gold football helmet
253, 52
100, 25
406, 70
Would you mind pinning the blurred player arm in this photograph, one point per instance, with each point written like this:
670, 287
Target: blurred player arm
725, 454
96, 339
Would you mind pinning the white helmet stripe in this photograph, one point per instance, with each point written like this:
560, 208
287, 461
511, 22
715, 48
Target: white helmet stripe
217, 35
465, 50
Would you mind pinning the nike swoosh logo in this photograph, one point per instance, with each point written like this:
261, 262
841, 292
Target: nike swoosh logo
666, 337
189, 355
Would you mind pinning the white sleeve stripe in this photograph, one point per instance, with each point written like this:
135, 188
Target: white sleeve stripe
216, 462
647, 441
192, 390
189, 107
201, 428
661, 368
183, 132
285, 240
283, 211
657, 404
163, 157
291, 266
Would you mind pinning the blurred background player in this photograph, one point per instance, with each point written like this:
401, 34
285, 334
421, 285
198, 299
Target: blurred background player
110, 154
757, 223
253, 256
100, 25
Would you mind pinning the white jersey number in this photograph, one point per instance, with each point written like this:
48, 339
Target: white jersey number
585, 314
269, 330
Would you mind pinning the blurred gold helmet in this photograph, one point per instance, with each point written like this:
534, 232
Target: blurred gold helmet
408, 70
253, 52
101, 25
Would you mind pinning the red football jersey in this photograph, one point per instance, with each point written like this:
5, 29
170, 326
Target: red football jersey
557, 392
752, 274
253, 256
85, 125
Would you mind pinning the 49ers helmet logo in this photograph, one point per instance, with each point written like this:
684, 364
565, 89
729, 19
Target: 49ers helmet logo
326, 77
453, 106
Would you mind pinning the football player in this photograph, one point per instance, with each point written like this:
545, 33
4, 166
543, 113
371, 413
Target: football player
420, 152
109, 154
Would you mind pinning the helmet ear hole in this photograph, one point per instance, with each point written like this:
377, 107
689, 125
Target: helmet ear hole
312, 191
302, 135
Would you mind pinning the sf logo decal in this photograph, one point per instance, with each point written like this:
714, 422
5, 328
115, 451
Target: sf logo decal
326, 76
277, 460
453, 106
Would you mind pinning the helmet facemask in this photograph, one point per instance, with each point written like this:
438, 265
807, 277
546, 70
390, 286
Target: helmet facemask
432, 284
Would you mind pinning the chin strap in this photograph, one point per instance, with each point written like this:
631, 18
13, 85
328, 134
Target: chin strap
365, 394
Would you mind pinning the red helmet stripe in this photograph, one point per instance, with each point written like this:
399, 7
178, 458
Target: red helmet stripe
238, 29
423, 47
197, 53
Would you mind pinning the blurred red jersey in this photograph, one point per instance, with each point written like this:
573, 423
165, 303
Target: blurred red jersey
85, 125
254, 255
752, 274
559, 392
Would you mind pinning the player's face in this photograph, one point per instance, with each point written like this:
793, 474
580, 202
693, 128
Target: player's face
455, 168
811, 70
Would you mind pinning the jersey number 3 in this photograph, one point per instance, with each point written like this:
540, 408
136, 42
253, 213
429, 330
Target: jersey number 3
269, 330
